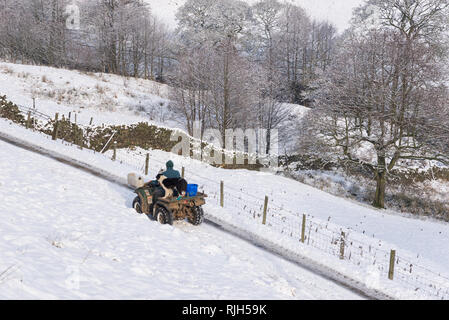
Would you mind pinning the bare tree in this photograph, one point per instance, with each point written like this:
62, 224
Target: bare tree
34, 31
190, 92
218, 25
267, 15
385, 90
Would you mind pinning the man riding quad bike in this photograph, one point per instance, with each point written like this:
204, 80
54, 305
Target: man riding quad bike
169, 198
158, 189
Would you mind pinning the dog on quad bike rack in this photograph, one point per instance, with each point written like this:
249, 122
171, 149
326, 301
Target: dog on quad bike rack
171, 184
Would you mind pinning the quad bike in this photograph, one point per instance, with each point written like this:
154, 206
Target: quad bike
170, 209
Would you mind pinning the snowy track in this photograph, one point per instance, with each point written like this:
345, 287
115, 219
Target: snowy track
67, 234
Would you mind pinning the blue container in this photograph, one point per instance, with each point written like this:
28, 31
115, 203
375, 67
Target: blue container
192, 190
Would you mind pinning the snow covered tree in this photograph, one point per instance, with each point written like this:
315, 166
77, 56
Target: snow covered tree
34, 31
385, 94
266, 15
218, 26
303, 51
190, 90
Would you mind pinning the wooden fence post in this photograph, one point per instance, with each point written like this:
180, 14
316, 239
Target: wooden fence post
114, 155
222, 194
34, 103
265, 207
147, 163
28, 120
91, 120
391, 270
182, 172
55, 128
81, 138
303, 228
342, 246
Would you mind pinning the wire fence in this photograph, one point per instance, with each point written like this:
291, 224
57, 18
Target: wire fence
343, 244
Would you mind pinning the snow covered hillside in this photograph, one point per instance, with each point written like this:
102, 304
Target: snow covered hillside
370, 233
98, 95
66, 234
106, 98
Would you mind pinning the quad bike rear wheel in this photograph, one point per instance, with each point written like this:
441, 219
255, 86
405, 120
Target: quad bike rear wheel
196, 216
163, 216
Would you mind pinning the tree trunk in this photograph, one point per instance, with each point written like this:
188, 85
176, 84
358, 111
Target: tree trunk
268, 137
152, 65
379, 200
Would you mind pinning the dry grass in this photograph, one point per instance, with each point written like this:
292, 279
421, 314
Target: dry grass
410, 192
419, 205
101, 90
130, 93
87, 73
50, 93
102, 77
23, 75
108, 104
6, 70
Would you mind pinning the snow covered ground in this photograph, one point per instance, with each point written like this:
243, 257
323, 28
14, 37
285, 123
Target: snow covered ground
99, 96
66, 234
419, 241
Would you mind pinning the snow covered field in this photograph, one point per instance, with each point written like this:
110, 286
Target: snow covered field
66, 234
98, 95
403, 234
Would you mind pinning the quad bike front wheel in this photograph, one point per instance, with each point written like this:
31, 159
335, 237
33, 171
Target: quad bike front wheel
196, 216
137, 205
163, 216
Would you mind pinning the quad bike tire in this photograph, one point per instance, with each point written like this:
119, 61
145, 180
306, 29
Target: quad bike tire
163, 215
197, 216
137, 205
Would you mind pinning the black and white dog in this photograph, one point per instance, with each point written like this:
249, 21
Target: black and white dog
171, 184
